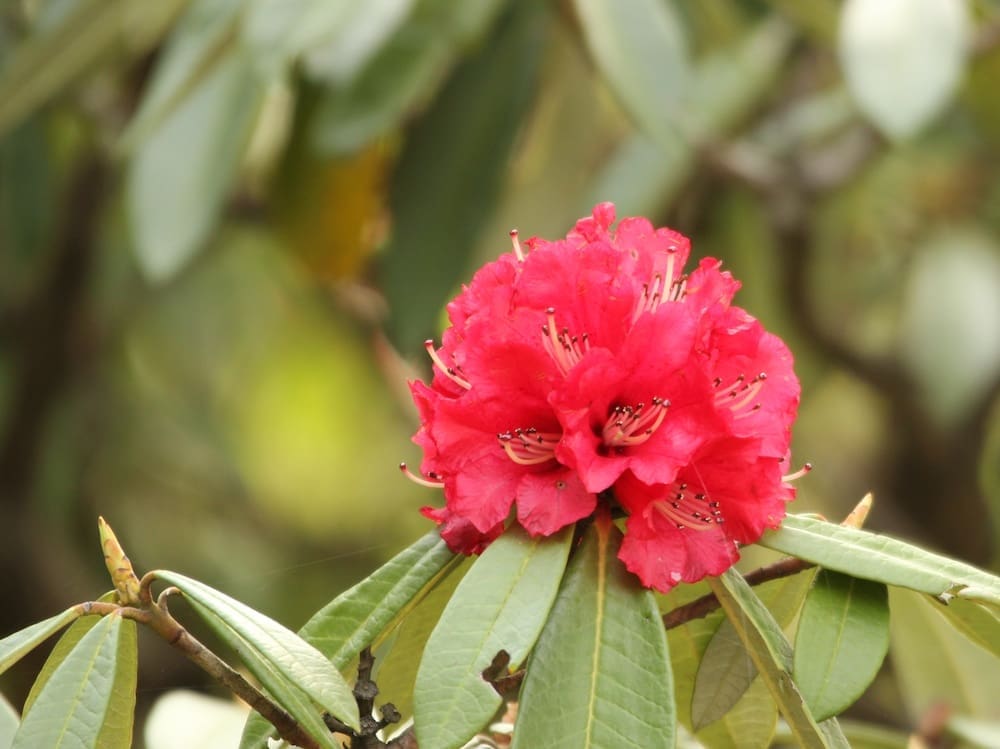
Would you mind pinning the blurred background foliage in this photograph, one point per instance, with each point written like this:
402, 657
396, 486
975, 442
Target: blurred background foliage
227, 226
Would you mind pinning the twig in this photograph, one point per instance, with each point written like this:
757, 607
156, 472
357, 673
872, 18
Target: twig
705, 605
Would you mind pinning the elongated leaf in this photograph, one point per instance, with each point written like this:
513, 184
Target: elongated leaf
342, 628
15, 646
886, 560
120, 715
181, 174
282, 690
425, 259
63, 647
842, 639
978, 623
935, 664
9, 722
772, 654
726, 670
903, 59
640, 49
601, 670
289, 656
70, 711
501, 604
860, 735
976, 732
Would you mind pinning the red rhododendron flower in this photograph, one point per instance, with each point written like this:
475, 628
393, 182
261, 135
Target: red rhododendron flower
592, 370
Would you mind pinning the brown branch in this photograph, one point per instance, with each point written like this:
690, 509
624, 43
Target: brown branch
702, 607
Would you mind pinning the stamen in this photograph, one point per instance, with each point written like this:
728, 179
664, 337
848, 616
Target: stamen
529, 447
517, 245
450, 372
430, 482
628, 426
806, 467
687, 509
740, 394
566, 350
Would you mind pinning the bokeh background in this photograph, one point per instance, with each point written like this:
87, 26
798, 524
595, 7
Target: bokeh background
227, 227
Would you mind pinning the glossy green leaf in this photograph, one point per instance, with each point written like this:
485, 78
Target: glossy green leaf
15, 646
349, 623
842, 639
288, 657
640, 48
875, 557
49, 63
726, 670
9, 722
903, 59
600, 672
282, 690
935, 663
181, 174
979, 623
772, 654
452, 169
70, 710
405, 70
501, 604
120, 715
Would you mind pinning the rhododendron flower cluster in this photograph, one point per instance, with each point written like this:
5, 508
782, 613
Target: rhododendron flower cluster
593, 371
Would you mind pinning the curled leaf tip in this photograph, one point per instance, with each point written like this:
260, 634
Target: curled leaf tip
119, 567
856, 518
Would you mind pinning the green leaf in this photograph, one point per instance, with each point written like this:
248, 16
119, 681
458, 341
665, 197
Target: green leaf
70, 710
403, 72
501, 604
934, 663
726, 670
771, 652
9, 722
859, 735
89, 34
180, 175
283, 691
120, 715
15, 646
842, 639
452, 169
874, 557
353, 620
63, 647
978, 623
640, 49
976, 732
288, 658
903, 59
600, 672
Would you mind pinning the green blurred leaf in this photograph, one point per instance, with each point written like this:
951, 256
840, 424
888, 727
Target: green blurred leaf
903, 59
980, 624
404, 72
860, 735
842, 639
180, 175
985, 733
501, 604
89, 34
880, 558
772, 654
15, 646
71, 709
640, 48
600, 673
935, 663
9, 722
120, 715
26, 204
353, 620
289, 660
451, 171
726, 670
